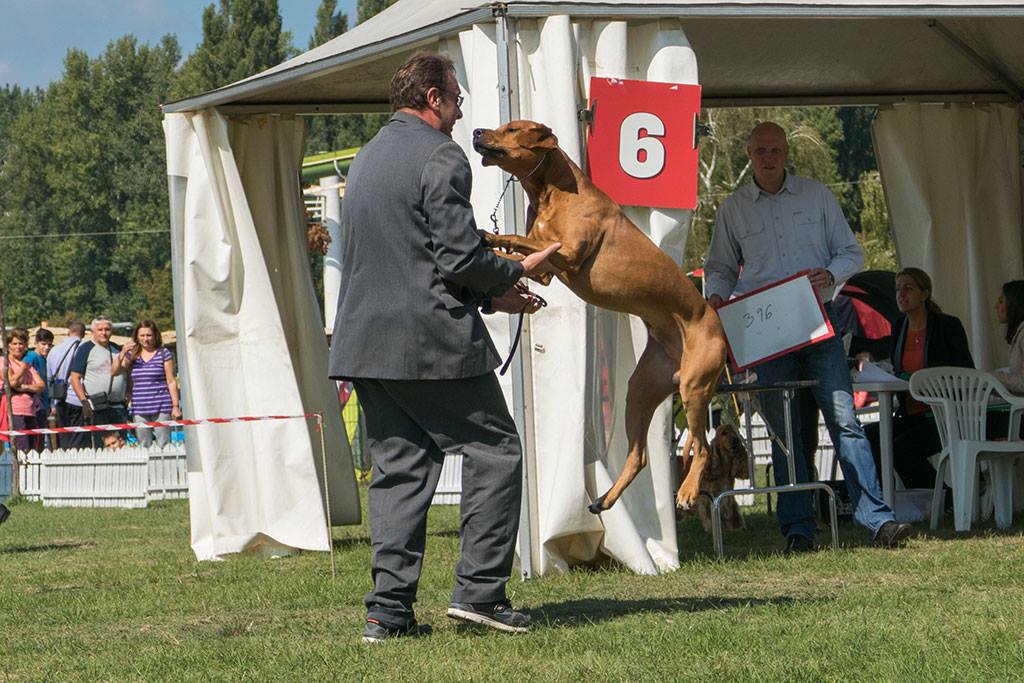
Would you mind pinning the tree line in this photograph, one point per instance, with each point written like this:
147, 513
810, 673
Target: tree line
83, 189
83, 185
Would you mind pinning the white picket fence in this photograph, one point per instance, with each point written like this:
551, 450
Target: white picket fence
449, 487
131, 477
125, 478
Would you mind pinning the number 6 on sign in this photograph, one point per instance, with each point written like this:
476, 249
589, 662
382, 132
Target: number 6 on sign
641, 148
641, 156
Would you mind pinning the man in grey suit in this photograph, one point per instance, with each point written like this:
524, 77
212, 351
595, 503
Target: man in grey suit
410, 337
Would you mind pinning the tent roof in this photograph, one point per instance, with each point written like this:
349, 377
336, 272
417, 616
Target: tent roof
749, 52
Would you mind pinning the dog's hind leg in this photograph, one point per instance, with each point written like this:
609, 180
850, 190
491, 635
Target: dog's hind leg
699, 372
650, 384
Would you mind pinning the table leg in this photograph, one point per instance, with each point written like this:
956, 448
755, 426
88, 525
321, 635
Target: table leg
885, 445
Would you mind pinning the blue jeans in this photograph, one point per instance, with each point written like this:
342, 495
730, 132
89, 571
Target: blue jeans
825, 362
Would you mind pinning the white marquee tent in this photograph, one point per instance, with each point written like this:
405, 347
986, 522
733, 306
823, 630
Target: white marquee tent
947, 76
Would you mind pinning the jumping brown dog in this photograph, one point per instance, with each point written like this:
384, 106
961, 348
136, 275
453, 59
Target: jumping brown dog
609, 262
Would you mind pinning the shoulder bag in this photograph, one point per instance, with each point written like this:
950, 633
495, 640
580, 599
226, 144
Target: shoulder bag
59, 385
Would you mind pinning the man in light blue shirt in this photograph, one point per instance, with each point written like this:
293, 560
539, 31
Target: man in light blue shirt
777, 226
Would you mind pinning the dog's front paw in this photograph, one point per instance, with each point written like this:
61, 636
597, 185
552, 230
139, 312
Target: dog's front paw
685, 500
597, 507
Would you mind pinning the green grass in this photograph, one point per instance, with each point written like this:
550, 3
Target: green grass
118, 595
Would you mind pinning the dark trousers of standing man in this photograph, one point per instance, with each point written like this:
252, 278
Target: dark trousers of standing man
410, 426
71, 416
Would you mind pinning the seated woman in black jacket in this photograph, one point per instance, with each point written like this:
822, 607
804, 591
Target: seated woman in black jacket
924, 338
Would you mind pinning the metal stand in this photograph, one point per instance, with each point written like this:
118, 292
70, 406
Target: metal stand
788, 390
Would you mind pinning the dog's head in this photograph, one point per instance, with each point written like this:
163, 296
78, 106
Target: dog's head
728, 457
517, 147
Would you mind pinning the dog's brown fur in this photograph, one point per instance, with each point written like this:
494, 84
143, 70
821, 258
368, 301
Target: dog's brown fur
609, 262
726, 463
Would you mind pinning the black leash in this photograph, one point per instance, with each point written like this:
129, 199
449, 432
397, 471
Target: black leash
519, 327
522, 288
515, 344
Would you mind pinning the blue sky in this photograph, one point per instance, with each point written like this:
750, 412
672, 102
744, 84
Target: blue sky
36, 34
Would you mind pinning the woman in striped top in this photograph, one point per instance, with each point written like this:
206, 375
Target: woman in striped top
154, 391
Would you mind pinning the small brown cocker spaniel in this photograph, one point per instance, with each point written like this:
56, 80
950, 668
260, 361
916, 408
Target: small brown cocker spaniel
727, 462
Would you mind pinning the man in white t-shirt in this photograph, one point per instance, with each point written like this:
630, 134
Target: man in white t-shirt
101, 395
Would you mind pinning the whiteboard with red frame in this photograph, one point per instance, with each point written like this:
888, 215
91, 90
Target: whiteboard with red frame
774, 320
642, 146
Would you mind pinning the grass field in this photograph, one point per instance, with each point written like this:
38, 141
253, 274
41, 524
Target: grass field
118, 595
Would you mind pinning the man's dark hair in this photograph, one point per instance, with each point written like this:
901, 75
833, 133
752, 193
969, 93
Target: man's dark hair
417, 75
44, 335
76, 328
1013, 292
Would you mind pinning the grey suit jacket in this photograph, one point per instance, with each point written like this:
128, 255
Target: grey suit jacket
414, 268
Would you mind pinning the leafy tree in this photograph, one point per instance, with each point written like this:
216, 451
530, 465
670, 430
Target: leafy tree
341, 131
855, 156
86, 174
328, 133
241, 38
368, 8
876, 234
329, 23
14, 101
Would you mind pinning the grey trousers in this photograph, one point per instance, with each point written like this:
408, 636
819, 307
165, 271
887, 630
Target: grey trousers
145, 434
410, 425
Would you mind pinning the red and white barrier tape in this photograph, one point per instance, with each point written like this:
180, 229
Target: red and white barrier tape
120, 426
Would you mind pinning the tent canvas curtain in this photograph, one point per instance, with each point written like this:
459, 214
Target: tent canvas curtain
581, 357
255, 342
952, 180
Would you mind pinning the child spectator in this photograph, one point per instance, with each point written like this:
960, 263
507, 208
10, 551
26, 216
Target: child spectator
37, 359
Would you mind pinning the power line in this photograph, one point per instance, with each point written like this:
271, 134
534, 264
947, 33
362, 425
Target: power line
83, 234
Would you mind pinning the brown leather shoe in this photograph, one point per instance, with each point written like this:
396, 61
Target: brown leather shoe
893, 535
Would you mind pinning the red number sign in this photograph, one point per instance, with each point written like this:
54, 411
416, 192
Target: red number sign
642, 148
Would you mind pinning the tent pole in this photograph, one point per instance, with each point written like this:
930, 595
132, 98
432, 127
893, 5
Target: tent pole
177, 186
1020, 141
522, 374
12, 441
971, 54
332, 259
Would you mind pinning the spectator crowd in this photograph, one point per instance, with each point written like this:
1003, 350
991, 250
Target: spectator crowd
82, 382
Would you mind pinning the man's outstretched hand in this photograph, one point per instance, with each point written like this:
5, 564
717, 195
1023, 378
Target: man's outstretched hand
518, 299
537, 262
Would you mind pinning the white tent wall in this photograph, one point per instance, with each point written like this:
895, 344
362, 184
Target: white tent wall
577, 456
840, 51
245, 306
952, 179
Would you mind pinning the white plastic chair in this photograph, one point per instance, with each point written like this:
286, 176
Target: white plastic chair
959, 398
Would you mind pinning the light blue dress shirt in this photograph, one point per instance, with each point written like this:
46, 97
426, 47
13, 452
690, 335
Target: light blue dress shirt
774, 236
